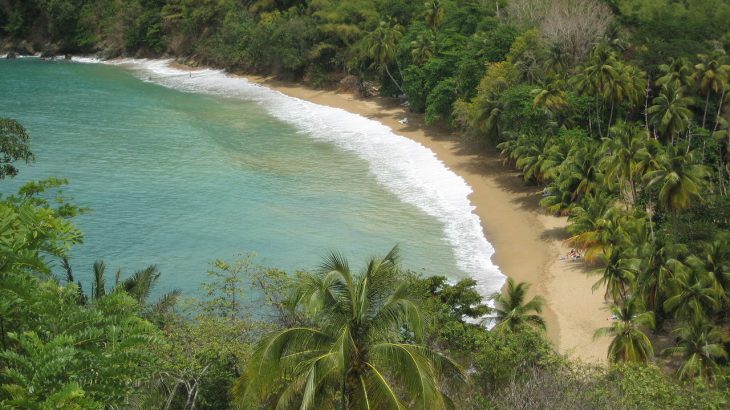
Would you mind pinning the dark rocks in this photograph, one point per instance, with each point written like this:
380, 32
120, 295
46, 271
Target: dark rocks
11, 55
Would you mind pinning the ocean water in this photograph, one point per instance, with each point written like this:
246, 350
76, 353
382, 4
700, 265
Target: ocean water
183, 167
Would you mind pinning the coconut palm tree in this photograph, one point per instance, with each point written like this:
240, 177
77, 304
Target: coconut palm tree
489, 120
712, 74
715, 260
670, 114
139, 286
582, 171
551, 98
619, 272
661, 262
680, 178
676, 74
627, 152
423, 48
599, 77
532, 159
694, 293
557, 59
700, 346
361, 346
630, 343
433, 14
381, 45
627, 88
513, 311
587, 220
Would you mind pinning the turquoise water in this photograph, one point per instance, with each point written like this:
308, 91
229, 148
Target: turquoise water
179, 179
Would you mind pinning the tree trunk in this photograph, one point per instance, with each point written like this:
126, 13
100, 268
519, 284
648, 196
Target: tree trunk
393, 79
707, 102
719, 111
646, 105
610, 118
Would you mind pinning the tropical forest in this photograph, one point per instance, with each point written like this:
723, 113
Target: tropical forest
613, 114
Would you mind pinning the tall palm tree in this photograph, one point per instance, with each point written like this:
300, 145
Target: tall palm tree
627, 87
661, 262
551, 98
630, 343
715, 261
423, 48
712, 74
694, 294
532, 159
433, 14
599, 77
618, 274
361, 345
676, 74
557, 59
700, 346
587, 222
512, 309
627, 153
670, 114
680, 178
381, 45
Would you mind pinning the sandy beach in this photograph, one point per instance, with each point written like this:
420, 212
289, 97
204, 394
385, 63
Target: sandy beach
528, 244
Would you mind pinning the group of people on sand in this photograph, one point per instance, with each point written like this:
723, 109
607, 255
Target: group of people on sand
572, 255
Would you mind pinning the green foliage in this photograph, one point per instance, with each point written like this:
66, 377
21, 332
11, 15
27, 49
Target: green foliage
360, 339
14, 141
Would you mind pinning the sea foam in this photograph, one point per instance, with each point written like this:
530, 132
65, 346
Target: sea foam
405, 167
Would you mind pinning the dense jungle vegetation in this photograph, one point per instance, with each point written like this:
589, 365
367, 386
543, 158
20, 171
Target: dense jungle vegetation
617, 110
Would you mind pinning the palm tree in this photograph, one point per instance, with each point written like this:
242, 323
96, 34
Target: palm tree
382, 45
715, 261
628, 87
676, 74
139, 286
630, 343
533, 157
694, 294
661, 262
489, 120
433, 14
557, 59
700, 346
422, 49
599, 77
580, 174
679, 177
512, 312
711, 75
627, 148
670, 113
619, 272
587, 221
551, 98
355, 346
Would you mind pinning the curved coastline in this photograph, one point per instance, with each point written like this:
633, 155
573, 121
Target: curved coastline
495, 202
528, 243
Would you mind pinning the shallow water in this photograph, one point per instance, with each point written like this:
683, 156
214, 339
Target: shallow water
183, 168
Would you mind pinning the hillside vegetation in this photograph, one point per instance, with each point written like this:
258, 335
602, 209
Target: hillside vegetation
619, 110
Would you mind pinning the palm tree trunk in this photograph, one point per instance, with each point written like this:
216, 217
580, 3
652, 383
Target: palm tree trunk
707, 102
646, 105
2, 333
393, 79
610, 117
719, 111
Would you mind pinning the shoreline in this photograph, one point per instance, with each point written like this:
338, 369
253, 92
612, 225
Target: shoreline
528, 243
